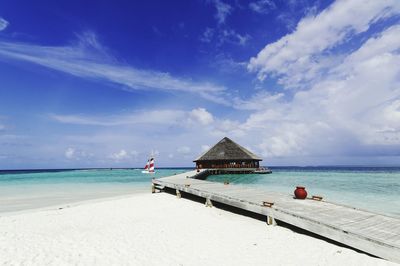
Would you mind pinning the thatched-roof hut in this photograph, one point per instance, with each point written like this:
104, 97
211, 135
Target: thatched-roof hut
227, 156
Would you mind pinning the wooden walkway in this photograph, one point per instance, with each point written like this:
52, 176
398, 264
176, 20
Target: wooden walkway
372, 233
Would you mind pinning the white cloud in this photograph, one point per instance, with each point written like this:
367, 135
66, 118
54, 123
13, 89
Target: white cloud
69, 153
288, 20
121, 155
89, 59
262, 6
304, 49
224, 127
205, 148
259, 101
202, 116
231, 36
167, 117
223, 10
353, 109
156, 117
224, 35
3, 24
77, 154
207, 36
225, 63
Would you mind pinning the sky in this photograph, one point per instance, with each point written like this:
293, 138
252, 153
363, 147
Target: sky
107, 83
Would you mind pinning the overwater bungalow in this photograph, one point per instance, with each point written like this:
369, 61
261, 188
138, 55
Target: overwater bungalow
227, 157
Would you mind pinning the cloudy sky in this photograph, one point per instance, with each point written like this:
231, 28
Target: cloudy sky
104, 83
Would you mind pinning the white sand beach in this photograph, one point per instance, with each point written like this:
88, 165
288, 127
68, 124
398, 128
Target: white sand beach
159, 229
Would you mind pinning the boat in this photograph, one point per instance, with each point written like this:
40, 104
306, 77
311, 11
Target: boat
149, 167
263, 170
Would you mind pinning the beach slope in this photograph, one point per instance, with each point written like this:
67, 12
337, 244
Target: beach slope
159, 229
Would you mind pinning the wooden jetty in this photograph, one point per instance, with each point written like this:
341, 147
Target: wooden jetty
372, 233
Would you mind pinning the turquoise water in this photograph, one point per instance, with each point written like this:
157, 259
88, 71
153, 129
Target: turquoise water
29, 190
374, 189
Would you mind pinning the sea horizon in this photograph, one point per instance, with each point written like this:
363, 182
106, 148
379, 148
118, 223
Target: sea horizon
193, 167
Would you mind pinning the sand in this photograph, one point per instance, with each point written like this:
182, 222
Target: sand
159, 229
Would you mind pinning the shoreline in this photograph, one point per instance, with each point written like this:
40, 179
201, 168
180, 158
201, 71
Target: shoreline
73, 202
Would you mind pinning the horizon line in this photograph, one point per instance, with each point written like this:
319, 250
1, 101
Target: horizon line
189, 167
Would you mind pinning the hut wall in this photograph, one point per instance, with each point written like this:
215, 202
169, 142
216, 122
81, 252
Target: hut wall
227, 164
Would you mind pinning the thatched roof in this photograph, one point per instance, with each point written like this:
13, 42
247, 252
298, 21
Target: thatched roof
227, 149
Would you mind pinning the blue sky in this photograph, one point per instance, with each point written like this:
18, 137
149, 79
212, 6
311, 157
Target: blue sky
102, 84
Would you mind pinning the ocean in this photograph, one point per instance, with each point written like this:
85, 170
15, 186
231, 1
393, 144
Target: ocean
32, 189
376, 189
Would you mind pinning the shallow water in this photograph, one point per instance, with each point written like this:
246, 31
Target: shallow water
374, 189
36, 189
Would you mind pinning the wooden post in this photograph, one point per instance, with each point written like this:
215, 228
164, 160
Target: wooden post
208, 203
178, 194
270, 220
